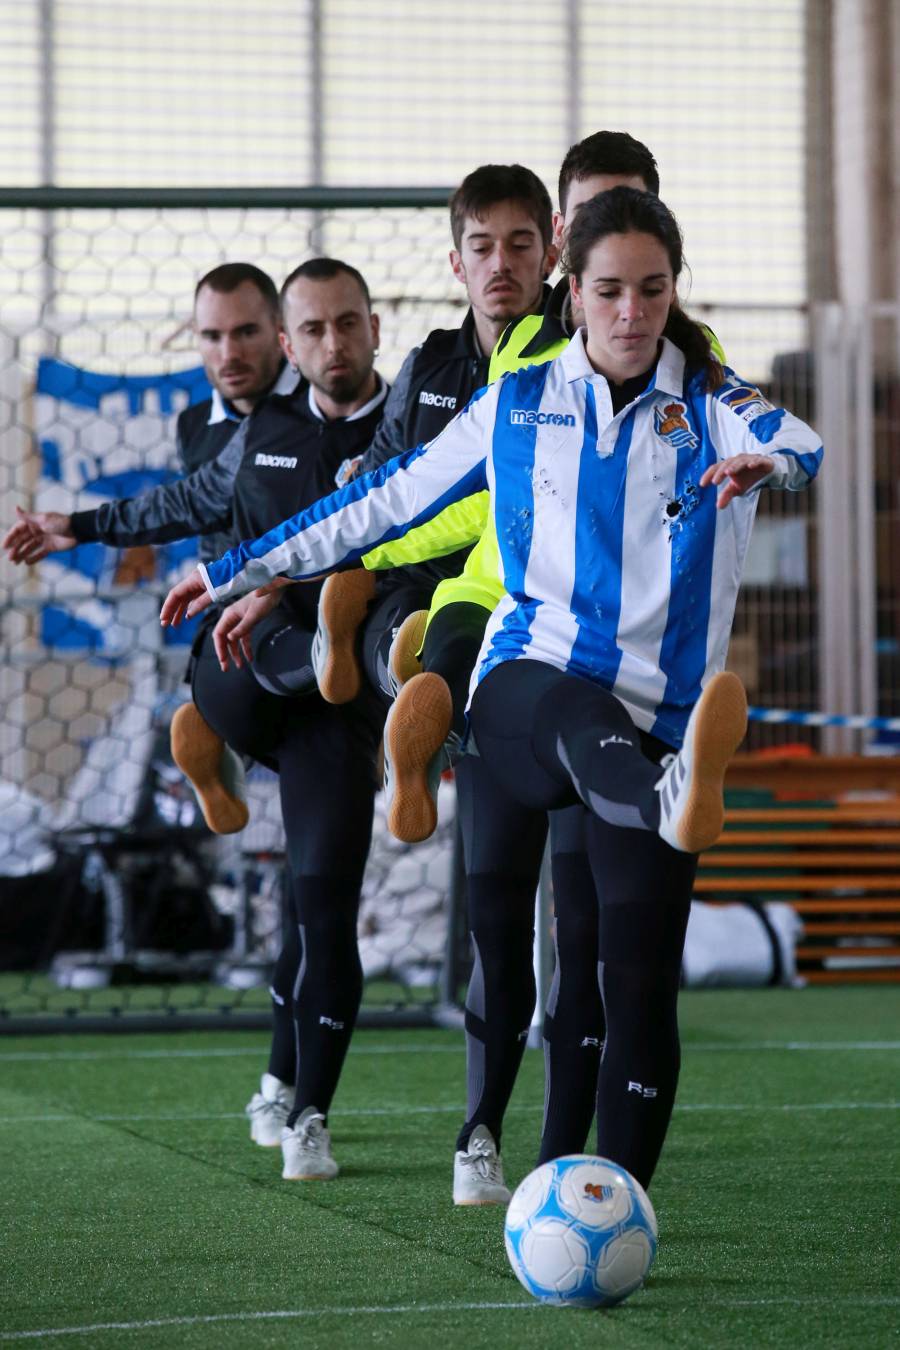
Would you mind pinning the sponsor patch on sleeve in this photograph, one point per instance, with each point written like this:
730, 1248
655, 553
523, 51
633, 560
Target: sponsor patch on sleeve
746, 401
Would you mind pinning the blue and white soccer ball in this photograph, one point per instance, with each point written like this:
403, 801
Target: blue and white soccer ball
581, 1230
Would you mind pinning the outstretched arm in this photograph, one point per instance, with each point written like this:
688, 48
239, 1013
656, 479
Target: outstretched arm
757, 443
37, 533
740, 473
337, 530
197, 504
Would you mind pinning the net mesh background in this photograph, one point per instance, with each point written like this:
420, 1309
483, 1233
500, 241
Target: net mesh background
410, 93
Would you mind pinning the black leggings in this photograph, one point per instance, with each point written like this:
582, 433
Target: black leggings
544, 736
325, 759
392, 604
452, 643
503, 844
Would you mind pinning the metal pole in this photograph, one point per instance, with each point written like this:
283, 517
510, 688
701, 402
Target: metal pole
316, 119
863, 471
48, 156
573, 70
834, 495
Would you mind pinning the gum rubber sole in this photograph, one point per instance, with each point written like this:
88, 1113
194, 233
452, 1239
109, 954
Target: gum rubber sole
721, 722
404, 661
343, 605
198, 751
416, 728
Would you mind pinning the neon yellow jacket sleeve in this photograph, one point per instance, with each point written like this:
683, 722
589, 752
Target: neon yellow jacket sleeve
455, 527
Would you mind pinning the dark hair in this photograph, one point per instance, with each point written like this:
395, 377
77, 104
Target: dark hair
607, 152
493, 183
324, 269
625, 210
228, 276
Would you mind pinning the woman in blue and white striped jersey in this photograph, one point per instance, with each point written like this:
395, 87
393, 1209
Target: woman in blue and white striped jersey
623, 479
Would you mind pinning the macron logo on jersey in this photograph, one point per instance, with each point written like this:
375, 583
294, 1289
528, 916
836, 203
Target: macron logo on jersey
527, 417
275, 461
437, 400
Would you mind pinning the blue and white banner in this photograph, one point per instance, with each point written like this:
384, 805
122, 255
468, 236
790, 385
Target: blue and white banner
101, 437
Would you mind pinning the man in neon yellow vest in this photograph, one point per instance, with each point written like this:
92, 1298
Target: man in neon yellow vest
503, 857
432, 657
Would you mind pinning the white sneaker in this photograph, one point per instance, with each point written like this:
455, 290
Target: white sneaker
478, 1173
691, 790
417, 726
268, 1110
307, 1149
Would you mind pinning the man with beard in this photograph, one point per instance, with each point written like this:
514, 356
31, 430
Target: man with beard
283, 457
235, 324
501, 228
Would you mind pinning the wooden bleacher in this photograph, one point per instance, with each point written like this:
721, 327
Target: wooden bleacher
822, 834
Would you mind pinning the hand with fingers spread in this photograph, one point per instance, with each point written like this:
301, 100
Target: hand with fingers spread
231, 635
37, 533
185, 600
740, 473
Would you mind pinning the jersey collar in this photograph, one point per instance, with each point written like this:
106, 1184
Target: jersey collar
223, 411
377, 398
669, 368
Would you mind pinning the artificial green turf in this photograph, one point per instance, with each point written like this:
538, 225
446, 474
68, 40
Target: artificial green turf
776, 1193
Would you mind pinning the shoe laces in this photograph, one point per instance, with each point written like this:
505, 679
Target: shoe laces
312, 1132
482, 1157
260, 1105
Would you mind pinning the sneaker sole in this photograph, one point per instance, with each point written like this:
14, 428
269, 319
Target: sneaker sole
418, 726
343, 606
481, 1204
720, 727
197, 750
404, 662
310, 1176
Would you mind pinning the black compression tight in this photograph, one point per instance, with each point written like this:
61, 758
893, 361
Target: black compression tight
452, 643
324, 756
503, 845
283, 1052
385, 616
539, 731
282, 656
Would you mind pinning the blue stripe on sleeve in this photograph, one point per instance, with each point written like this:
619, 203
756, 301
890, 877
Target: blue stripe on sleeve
809, 461
225, 569
693, 534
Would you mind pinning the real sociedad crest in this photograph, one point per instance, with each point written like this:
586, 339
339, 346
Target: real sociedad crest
671, 426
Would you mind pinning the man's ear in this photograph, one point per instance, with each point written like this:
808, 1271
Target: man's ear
286, 347
457, 266
376, 331
559, 224
551, 258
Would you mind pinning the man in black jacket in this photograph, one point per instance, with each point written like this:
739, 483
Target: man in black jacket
236, 325
283, 457
501, 225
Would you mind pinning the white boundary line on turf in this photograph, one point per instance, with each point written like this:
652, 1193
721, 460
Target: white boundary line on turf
177, 1117
859, 1300
154, 1322
40, 1056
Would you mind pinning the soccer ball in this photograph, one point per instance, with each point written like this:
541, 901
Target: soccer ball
580, 1230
